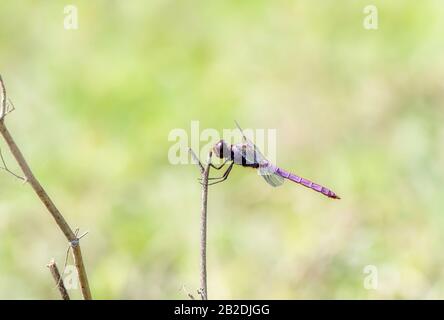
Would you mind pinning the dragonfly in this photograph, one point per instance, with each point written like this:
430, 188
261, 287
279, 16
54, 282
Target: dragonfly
246, 154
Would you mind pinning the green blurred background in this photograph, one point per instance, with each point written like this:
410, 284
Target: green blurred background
358, 110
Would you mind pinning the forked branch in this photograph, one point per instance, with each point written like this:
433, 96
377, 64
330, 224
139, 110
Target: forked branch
44, 197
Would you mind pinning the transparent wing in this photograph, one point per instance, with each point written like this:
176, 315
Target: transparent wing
253, 155
249, 149
268, 173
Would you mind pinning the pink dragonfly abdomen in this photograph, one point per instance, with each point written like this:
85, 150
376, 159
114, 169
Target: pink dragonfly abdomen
307, 183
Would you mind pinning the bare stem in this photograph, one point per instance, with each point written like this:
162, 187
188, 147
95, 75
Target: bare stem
203, 230
46, 200
205, 171
58, 279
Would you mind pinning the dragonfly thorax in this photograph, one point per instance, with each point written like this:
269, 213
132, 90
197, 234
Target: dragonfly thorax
222, 150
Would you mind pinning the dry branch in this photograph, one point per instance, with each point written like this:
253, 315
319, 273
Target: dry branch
58, 279
45, 199
205, 171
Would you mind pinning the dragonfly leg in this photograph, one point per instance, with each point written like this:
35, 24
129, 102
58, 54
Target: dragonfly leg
224, 176
219, 167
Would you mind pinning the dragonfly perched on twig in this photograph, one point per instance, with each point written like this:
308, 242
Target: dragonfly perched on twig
246, 154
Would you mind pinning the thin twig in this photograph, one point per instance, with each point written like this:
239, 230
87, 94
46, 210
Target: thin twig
205, 171
58, 279
10, 107
49, 204
203, 230
5, 167
184, 289
197, 161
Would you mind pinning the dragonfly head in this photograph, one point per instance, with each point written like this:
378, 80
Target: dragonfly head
221, 149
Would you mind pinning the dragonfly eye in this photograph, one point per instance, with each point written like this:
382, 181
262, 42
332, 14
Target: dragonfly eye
219, 149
